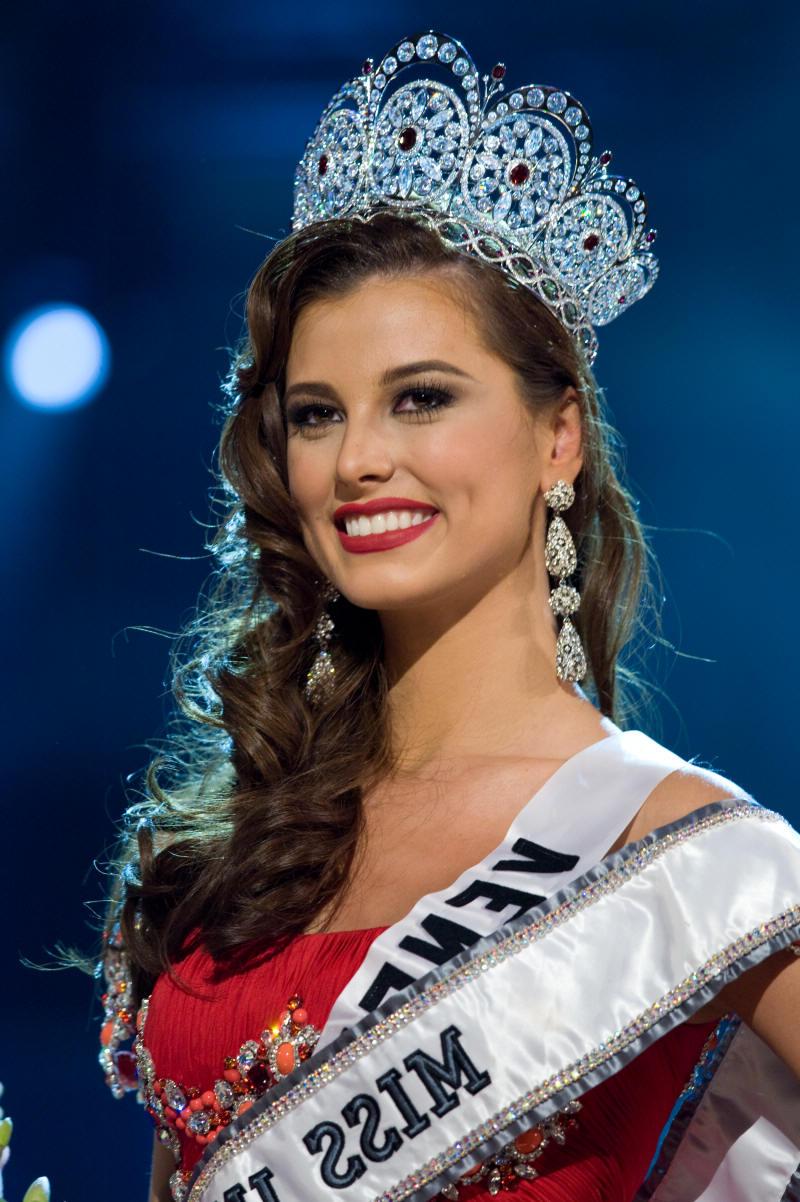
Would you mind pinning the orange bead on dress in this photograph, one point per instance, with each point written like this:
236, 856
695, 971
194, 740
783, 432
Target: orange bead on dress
284, 1058
529, 1141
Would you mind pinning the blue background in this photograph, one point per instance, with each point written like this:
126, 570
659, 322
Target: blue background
149, 152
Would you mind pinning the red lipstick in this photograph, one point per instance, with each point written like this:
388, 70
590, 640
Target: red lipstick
359, 544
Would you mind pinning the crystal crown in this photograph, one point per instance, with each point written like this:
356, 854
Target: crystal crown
511, 180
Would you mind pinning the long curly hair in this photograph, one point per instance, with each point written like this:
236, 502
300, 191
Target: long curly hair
249, 815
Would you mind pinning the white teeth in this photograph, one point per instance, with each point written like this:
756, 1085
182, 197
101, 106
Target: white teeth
390, 519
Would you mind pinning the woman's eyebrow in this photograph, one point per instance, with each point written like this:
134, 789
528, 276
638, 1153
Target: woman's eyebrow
326, 392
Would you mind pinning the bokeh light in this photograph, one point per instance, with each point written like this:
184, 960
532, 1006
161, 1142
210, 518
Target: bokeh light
56, 357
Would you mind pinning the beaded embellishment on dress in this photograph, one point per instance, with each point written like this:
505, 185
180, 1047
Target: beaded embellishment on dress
201, 1114
176, 1108
118, 1063
506, 1169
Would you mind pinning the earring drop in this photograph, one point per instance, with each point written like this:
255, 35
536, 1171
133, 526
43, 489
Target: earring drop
322, 674
562, 560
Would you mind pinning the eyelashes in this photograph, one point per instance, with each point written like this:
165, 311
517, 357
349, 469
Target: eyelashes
313, 418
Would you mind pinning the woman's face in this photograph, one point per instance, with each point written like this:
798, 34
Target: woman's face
390, 393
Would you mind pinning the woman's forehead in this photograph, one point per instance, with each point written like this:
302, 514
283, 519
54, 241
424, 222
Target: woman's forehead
410, 317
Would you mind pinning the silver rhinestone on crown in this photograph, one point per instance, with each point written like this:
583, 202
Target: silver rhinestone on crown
512, 181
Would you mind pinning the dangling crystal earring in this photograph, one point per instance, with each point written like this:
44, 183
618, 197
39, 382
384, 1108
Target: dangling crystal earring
322, 674
561, 560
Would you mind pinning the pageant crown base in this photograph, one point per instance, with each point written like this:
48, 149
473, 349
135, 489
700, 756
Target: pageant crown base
510, 178
488, 246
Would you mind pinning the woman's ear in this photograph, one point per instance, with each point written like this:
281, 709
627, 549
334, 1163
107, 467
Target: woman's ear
564, 444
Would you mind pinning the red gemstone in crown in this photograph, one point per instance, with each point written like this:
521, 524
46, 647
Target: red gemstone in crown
366, 66
407, 138
591, 241
519, 173
498, 70
605, 158
322, 165
651, 236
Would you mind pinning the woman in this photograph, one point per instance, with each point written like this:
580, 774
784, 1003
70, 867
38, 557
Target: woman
399, 832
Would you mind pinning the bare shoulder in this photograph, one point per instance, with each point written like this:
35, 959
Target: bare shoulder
681, 792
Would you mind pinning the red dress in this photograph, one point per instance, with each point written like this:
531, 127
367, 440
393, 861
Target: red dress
604, 1158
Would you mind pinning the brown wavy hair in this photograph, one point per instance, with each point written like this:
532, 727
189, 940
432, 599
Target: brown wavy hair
249, 815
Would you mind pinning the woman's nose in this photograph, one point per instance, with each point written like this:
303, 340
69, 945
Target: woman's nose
365, 452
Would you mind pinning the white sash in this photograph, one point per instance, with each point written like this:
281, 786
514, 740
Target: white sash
508, 1029
573, 819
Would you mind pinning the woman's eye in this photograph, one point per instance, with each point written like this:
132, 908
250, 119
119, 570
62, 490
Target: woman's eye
309, 416
426, 400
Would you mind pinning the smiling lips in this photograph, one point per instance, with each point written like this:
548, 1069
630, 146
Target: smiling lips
383, 523
386, 529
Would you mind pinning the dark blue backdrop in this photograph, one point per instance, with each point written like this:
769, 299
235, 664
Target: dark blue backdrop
143, 146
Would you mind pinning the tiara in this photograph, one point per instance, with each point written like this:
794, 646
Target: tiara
512, 181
